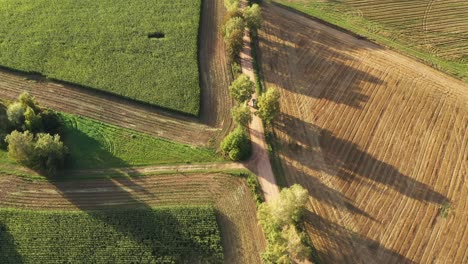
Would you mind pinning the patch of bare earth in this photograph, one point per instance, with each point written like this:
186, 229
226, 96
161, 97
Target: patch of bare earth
379, 140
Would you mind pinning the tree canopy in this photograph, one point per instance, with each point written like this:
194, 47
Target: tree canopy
252, 17
269, 105
242, 115
236, 145
242, 88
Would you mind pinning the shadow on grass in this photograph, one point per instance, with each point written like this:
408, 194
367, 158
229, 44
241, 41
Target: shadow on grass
8, 247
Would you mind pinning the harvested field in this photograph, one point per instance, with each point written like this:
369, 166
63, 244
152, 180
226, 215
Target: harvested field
433, 30
107, 108
242, 237
107, 45
379, 140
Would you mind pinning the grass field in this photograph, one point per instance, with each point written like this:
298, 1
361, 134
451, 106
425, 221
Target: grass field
94, 144
378, 139
433, 31
159, 235
105, 45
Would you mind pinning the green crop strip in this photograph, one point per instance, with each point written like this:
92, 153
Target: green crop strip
107, 45
186, 234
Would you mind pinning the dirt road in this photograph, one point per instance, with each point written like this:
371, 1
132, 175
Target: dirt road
378, 139
259, 161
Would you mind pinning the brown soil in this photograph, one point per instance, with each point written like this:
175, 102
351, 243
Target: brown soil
242, 237
379, 140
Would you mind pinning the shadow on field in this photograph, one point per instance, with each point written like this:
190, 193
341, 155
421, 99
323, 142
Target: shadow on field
303, 59
346, 238
346, 160
114, 202
8, 247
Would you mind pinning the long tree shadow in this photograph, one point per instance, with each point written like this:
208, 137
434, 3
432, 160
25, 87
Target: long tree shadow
297, 56
352, 241
8, 247
347, 161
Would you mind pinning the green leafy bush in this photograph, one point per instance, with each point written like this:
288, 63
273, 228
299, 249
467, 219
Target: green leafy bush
237, 144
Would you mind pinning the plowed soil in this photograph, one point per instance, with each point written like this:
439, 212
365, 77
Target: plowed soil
379, 140
242, 237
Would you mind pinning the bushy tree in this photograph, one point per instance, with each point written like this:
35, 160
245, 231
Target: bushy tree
28, 100
42, 152
242, 88
21, 148
278, 220
252, 16
15, 113
269, 105
231, 5
32, 121
241, 115
233, 32
236, 145
233, 24
51, 152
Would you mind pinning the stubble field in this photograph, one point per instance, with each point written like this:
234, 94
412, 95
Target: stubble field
435, 31
379, 140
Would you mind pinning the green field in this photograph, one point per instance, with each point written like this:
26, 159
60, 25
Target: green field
435, 32
94, 144
104, 45
186, 234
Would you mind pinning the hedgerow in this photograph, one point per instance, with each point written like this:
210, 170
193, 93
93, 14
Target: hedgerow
187, 234
105, 45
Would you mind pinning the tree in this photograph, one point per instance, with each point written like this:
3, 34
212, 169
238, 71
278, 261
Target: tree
42, 152
15, 113
241, 115
234, 44
27, 100
290, 205
231, 5
242, 88
236, 145
278, 220
269, 105
233, 24
21, 148
32, 121
51, 152
252, 17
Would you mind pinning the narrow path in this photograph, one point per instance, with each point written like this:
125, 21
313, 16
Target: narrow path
259, 161
144, 170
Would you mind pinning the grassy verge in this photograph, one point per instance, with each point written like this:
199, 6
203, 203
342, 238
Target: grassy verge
152, 235
384, 35
105, 45
94, 144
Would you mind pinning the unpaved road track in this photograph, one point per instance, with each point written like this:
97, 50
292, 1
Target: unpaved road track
259, 161
379, 140
242, 237
214, 121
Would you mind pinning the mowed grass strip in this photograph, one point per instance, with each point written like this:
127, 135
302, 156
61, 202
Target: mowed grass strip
93, 144
186, 234
105, 45
435, 32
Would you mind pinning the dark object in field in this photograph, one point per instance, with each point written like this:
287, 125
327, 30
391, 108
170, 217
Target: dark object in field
156, 35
